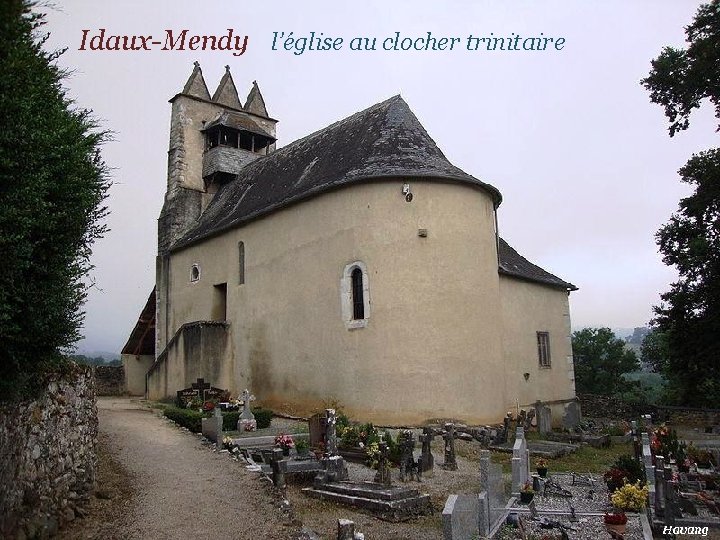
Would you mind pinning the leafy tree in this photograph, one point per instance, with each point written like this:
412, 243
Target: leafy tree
52, 187
601, 359
654, 350
689, 315
681, 78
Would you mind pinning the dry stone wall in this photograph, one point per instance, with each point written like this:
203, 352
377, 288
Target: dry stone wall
48, 449
109, 380
596, 406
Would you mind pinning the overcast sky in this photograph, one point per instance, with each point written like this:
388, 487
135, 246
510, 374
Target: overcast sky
583, 159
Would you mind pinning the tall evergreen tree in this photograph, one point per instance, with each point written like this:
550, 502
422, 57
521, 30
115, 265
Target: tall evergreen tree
52, 187
689, 315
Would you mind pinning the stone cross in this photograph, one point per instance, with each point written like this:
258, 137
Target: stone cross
521, 419
426, 459
247, 411
331, 434
450, 461
383, 472
503, 435
201, 386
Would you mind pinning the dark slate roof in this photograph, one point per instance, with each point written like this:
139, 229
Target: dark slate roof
383, 141
239, 121
511, 263
142, 338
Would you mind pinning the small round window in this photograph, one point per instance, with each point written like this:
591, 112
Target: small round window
195, 272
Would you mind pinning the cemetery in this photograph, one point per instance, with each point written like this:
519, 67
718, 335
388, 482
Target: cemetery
527, 478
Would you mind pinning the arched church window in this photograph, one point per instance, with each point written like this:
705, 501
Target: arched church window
355, 295
195, 272
241, 263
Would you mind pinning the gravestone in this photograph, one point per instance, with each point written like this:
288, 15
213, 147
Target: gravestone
571, 417
492, 483
520, 462
330, 433
449, 436
317, 425
200, 390
408, 466
502, 435
647, 460
427, 461
544, 418
212, 427
460, 517
247, 421
521, 419
529, 419
346, 531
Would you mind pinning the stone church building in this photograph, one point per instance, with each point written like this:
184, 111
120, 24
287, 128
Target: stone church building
356, 266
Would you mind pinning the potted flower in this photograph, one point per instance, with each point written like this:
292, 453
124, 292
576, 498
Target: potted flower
302, 446
526, 493
285, 442
542, 467
616, 521
631, 497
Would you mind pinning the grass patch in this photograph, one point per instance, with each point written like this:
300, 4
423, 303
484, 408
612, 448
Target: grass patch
587, 460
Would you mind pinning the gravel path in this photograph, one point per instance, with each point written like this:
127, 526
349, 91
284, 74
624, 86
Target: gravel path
183, 490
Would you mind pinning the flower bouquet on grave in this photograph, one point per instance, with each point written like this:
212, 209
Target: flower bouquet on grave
229, 445
631, 497
526, 493
285, 442
208, 406
615, 521
542, 467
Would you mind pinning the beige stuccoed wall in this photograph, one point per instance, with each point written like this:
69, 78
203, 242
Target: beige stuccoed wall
528, 308
432, 347
136, 366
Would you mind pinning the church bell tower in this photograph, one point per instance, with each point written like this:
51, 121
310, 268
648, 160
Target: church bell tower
211, 140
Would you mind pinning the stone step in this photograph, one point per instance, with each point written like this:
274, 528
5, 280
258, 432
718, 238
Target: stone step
394, 510
371, 490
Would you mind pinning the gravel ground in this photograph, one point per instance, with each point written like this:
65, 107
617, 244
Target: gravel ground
180, 488
157, 481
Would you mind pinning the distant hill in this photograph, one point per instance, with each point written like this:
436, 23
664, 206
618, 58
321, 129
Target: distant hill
105, 355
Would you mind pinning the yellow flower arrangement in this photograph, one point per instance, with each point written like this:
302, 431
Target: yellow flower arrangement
630, 497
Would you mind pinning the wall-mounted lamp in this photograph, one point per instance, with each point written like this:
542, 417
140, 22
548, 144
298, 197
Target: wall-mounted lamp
406, 191
526, 375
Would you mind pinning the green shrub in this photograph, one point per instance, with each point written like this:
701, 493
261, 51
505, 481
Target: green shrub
393, 447
262, 416
185, 417
632, 468
230, 420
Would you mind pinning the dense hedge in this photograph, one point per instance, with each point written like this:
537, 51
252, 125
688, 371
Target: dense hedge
262, 416
188, 418
192, 419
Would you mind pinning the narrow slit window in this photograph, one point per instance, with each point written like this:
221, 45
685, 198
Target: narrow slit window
357, 294
241, 263
543, 343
